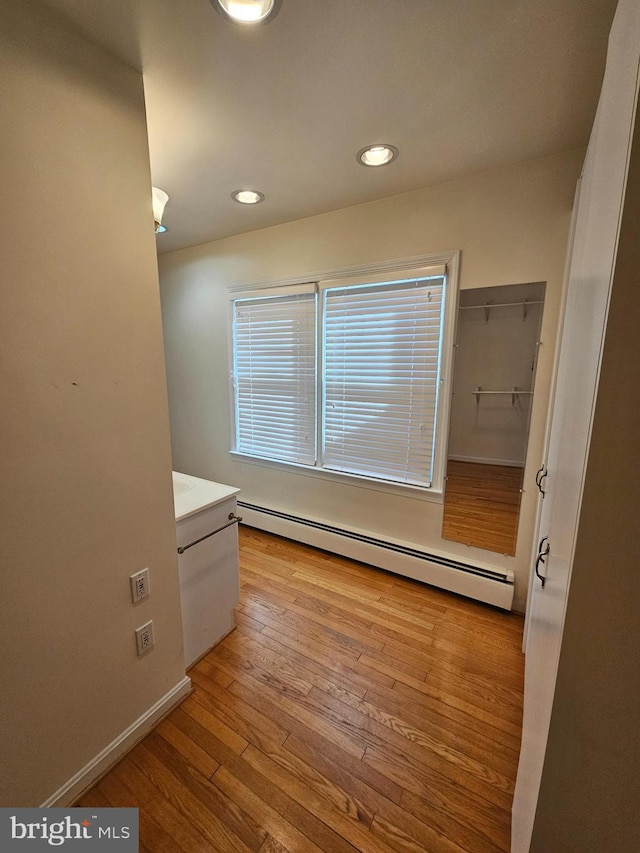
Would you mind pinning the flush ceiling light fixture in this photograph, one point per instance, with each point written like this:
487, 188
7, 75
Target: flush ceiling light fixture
377, 155
247, 11
160, 198
247, 196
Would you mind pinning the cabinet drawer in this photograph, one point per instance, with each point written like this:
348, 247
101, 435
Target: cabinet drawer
203, 523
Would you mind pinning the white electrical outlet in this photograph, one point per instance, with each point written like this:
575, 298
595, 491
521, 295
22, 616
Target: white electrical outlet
144, 638
139, 585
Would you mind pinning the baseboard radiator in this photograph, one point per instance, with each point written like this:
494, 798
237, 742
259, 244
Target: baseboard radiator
489, 585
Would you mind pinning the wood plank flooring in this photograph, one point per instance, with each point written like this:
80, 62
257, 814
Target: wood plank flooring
351, 709
482, 505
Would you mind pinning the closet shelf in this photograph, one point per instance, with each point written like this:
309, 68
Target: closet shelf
515, 392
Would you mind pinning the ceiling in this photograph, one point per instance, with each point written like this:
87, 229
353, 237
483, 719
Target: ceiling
458, 87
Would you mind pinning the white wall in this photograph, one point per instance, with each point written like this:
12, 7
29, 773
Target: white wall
494, 351
511, 225
85, 453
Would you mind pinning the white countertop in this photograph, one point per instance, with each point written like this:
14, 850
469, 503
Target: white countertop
192, 494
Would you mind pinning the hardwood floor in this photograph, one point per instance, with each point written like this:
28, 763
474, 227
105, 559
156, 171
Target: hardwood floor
351, 710
482, 505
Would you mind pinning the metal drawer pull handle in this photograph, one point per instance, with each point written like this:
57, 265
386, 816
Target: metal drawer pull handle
233, 519
542, 473
541, 555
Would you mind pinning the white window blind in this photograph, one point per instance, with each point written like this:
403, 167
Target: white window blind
380, 384
274, 375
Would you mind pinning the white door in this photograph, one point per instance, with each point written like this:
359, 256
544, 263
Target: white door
590, 275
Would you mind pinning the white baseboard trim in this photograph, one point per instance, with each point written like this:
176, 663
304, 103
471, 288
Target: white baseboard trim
110, 755
493, 586
482, 460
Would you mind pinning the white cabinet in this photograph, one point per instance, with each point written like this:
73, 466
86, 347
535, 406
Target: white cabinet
591, 274
207, 535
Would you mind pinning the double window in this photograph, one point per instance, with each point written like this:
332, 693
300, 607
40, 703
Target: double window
342, 376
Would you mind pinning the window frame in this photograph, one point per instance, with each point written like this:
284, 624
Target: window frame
353, 276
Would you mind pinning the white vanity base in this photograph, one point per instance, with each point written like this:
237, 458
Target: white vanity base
208, 570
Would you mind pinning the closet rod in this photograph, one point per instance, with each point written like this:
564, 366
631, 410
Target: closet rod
487, 306
501, 304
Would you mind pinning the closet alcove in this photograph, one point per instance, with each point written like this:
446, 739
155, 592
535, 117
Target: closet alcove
496, 349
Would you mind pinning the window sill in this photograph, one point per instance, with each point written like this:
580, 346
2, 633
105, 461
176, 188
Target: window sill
431, 495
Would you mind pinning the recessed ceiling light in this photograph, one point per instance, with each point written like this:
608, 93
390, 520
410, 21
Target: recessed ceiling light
377, 155
247, 11
247, 196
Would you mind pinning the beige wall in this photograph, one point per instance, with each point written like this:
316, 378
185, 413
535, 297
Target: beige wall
511, 225
84, 451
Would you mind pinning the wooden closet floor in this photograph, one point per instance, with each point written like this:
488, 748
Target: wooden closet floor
351, 709
482, 505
